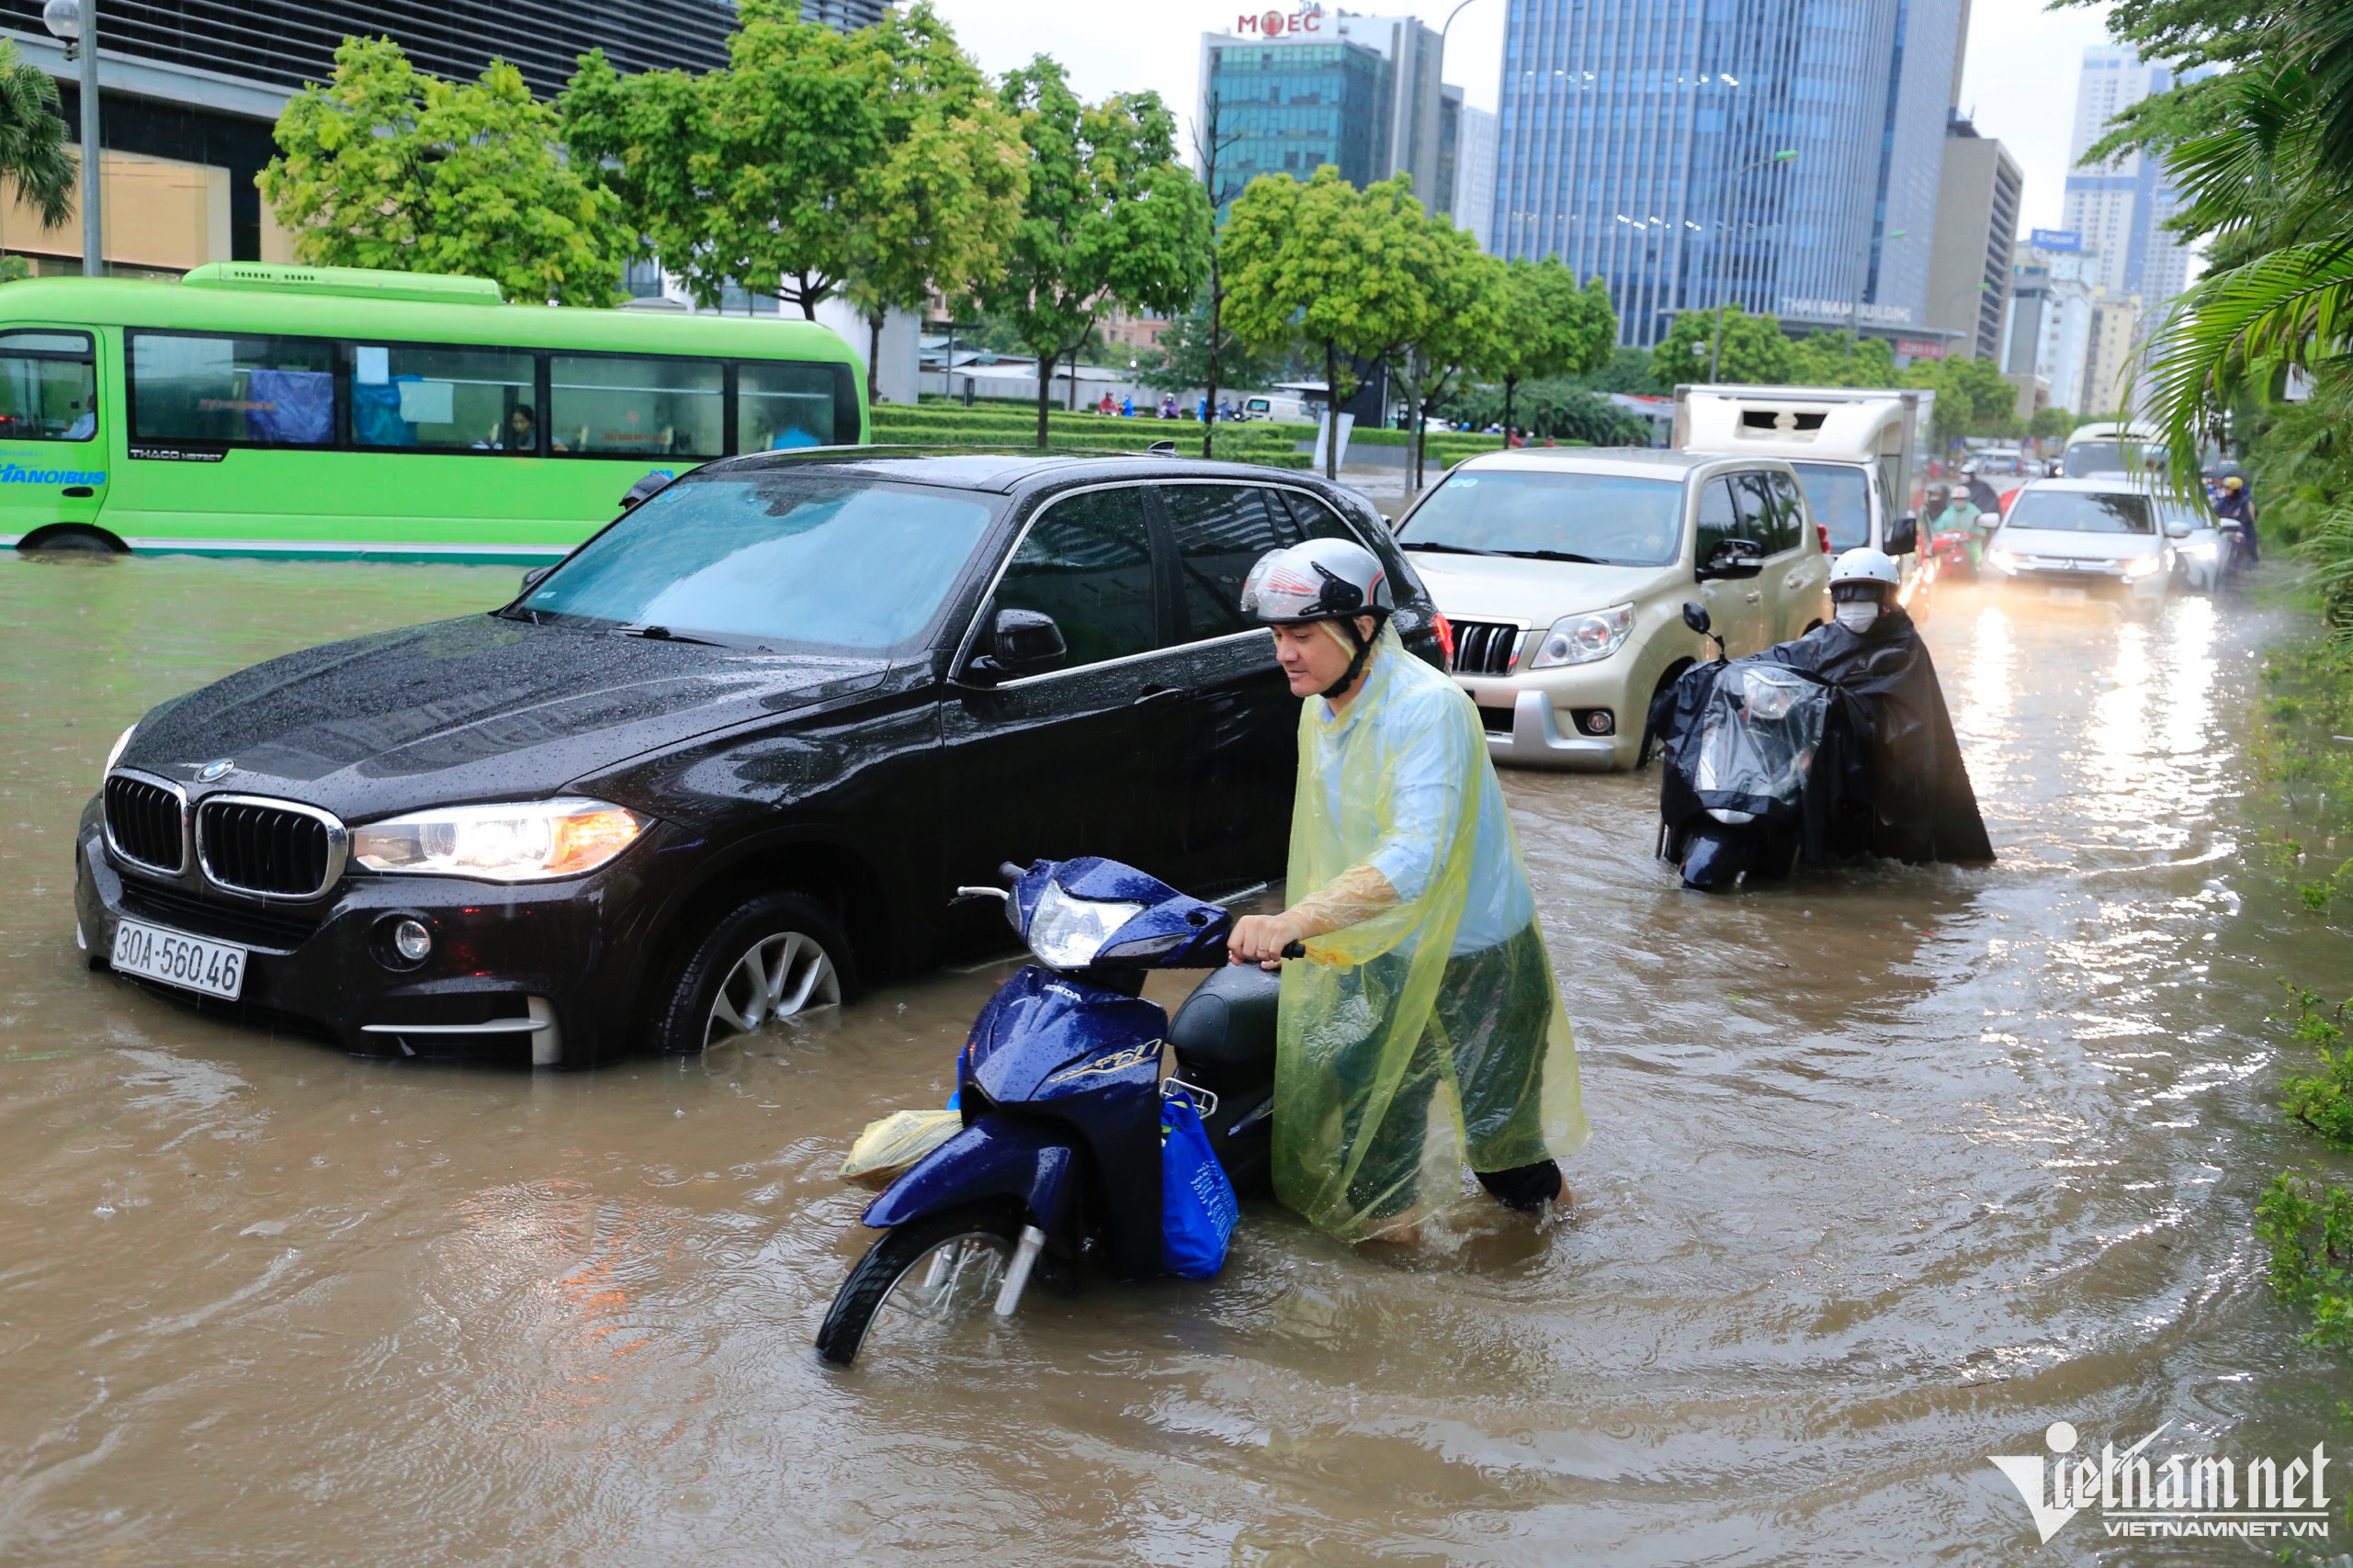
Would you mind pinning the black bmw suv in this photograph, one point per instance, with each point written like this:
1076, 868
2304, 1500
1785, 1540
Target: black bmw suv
730, 757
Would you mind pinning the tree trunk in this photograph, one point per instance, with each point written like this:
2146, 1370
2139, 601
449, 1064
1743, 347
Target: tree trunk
1416, 371
1509, 384
807, 305
1045, 394
874, 358
1332, 410
1071, 400
1209, 402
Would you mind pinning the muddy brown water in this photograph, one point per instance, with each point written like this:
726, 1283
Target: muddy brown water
1889, 1171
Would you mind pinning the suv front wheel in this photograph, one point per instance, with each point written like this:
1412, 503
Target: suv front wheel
773, 955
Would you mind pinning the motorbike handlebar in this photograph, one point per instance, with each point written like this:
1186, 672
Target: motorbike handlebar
1012, 873
1295, 950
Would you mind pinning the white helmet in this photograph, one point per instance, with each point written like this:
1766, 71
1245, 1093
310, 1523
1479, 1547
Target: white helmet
1323, 580
1863, 564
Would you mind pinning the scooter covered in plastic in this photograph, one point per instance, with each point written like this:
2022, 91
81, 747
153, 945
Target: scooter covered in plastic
1073, 1149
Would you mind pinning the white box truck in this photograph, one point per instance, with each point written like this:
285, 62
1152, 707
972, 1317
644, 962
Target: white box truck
1860, 453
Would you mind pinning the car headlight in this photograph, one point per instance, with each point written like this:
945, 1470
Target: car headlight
2204, 549
517, 842
1068, 932
2002, 559
121, 743
1581, 639
2144, 566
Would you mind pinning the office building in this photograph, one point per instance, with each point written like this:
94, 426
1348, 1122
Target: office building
2049, 334
1637, 140
1474, 194
1312, 88
2119, 207
1976, 227
2114, 332
846, 15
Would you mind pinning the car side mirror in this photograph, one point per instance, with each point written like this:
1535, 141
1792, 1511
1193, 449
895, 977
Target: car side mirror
1735, 557
1695, 615
1904, 536
1021, 642
533, 578
2177, 530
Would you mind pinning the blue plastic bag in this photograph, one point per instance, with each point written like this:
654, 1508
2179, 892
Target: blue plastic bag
1197, 1207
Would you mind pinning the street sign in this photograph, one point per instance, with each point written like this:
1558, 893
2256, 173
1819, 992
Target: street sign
1920, 348
2063, 241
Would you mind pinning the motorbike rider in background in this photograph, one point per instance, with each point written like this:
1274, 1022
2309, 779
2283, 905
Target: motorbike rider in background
1425, 1031
2235, 507
1949, 514
1981, 494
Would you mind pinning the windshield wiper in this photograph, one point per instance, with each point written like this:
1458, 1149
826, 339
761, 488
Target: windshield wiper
517, 613
1553, 555
1446, 549
663, 634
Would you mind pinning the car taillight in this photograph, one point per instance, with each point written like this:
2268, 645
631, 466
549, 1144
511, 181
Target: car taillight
1822, 532
1445, 630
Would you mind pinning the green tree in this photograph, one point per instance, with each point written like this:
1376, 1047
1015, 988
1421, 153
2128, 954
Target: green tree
1754, 353
1328, 266
1972, 398
2050, 424
1464, 320
1183, 359
935, 213
754, 174
1558, 409
33, 157
1627, 370
1557, 328
1111, 217
384, 167
1838, 359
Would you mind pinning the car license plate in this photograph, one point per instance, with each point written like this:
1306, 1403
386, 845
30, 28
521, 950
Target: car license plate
2067, 596
190, 963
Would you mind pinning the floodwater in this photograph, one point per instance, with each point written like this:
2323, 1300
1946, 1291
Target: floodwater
1889, 1172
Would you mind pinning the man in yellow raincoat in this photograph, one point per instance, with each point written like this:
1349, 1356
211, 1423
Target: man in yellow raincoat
1426, 1031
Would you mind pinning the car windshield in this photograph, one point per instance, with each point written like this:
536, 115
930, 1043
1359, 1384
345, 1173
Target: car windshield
770, 558
2086, 457
2081, 511
1607, 518
1839, 498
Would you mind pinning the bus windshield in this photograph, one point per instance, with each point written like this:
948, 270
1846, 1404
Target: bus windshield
2085, 458
1839, 498
772, 559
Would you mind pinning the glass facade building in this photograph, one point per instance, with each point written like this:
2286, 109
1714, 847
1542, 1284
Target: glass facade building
1637, 142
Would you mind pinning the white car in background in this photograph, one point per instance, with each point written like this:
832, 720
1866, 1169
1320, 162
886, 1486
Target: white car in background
2083, 540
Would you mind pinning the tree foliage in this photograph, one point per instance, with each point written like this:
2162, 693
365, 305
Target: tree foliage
1556, 409
1840, 359
1555, 327
1754, 352
385, 167
1181, 362
1972, 398
34, 160
1626, 370
1110, 216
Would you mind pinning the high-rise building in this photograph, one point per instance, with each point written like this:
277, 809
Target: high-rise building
846, 15
2115, 332
1976, 227
1637, 142
1473, 204
2119, 207
1362, 93
2052, 301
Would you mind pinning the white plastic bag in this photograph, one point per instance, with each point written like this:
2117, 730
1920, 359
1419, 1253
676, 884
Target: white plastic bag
886, 1149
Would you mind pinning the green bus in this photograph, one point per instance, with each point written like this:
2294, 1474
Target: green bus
251, 408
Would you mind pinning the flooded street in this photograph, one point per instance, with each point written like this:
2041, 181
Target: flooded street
1890, 1171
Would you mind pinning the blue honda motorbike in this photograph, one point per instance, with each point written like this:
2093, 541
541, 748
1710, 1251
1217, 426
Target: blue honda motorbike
1059, 1161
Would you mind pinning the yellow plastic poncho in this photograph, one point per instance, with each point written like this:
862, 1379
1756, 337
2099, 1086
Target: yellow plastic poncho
1427, 1031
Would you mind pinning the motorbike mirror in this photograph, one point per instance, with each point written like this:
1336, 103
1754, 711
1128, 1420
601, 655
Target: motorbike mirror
1695, 615
1021, 642
1903, 535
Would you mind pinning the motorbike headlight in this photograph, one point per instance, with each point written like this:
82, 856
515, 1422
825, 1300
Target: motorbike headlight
2144, 566
528, 841
1068, 932
2002, 559
1581, 639
121, 742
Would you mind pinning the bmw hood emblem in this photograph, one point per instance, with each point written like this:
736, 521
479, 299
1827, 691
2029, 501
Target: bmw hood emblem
217, 769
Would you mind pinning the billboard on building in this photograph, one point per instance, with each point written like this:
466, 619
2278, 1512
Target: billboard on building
2064, 242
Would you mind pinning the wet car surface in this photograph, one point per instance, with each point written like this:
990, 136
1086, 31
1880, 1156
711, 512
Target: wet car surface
1889, 1171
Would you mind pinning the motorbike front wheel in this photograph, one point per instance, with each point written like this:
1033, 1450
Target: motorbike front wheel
922, 1278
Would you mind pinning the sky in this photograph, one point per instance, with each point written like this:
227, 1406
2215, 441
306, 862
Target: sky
2020, 74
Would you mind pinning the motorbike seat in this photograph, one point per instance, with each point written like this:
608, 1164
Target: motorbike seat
1228, 1022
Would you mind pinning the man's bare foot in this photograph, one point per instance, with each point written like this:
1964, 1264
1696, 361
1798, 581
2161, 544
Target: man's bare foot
1399, 1235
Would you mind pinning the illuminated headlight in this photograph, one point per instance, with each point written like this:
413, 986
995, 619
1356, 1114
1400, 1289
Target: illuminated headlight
1581, 639
1068, 932
521, 841
2144, 566
121, 742
2002, 559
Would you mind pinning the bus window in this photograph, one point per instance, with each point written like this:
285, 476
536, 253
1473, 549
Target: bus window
428, 398
781, 406
268, 392
48, 387
622, 406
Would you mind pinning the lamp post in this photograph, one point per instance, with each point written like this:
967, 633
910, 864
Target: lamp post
1715, 343
1854, 323
76, 23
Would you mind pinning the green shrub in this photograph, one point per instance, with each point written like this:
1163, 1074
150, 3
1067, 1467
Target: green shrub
2307, 1223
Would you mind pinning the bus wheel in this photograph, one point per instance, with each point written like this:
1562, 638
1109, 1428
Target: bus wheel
70, 538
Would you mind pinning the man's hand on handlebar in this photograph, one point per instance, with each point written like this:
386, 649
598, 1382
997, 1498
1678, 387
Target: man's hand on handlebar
1267, 940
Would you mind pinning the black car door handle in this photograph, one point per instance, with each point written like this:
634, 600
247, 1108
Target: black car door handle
1158, 694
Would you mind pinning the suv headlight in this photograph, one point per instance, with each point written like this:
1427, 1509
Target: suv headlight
1068, 932
517, 842
121, 744
2144, 566
1581, 639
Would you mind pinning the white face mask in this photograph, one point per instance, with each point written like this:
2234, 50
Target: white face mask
1856, 614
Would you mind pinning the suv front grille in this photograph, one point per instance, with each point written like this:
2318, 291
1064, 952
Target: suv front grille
1486, 648
144, 822
272, 926
274, 848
